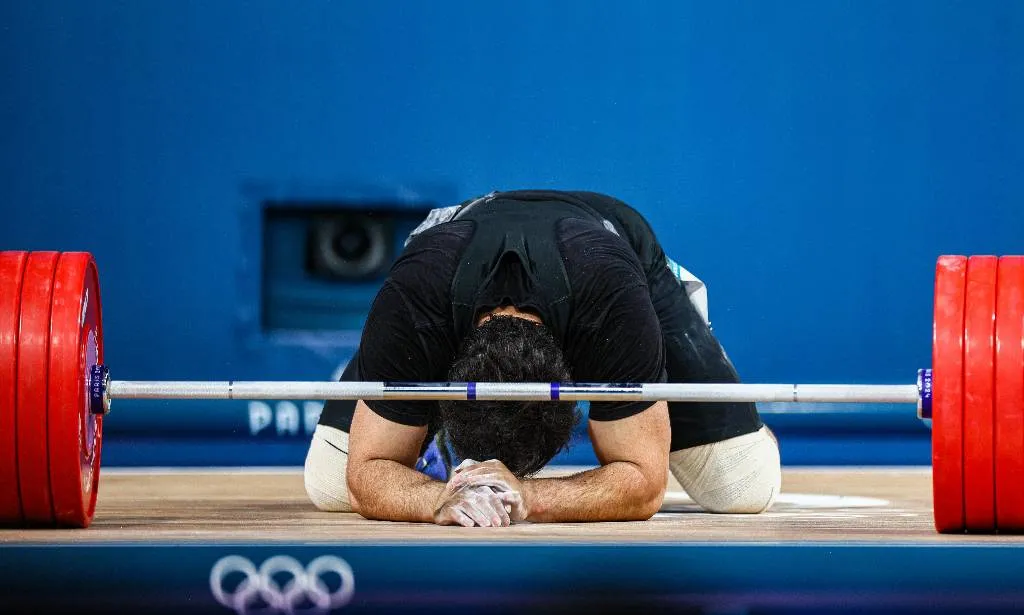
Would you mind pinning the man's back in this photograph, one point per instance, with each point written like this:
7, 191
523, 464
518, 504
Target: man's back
546, 253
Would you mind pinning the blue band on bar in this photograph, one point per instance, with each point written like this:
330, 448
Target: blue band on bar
554, 390
471, 391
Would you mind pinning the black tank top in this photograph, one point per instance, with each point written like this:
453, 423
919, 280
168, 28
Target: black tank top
513, 257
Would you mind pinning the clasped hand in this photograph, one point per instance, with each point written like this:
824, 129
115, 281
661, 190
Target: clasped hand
484, 494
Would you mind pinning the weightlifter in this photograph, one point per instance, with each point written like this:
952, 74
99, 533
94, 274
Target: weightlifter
537, 286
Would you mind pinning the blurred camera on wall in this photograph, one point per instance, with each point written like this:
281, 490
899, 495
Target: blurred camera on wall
324, 261
350, 245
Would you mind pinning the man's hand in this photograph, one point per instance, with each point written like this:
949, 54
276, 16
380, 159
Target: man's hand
469, 505
472, 506
493, 475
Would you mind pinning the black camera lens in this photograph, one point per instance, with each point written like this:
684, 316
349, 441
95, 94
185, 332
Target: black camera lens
350, 246
352, 242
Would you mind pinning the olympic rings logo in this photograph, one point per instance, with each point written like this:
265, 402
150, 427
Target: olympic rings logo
304, 585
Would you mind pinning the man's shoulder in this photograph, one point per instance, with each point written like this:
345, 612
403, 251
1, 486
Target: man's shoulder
590, 247
423, 272
602, 270
434, 250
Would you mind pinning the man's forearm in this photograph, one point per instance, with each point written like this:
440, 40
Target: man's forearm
389, 491
618, 491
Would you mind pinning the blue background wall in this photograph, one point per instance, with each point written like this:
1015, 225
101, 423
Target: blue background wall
808, 159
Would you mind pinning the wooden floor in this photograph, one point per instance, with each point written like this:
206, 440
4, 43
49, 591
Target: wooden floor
256, 506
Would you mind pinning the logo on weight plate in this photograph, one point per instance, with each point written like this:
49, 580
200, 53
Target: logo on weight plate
281, 585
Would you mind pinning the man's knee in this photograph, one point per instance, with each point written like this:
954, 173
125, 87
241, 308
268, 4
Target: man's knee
324, 472
738, 475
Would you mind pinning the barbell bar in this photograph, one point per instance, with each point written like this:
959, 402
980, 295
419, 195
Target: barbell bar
55, 391
509, 391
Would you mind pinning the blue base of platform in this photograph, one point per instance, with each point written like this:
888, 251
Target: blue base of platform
517, 578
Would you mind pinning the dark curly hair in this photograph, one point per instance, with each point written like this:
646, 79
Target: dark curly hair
523, 435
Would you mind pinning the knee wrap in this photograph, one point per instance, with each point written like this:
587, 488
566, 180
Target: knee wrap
738, 475
324, 473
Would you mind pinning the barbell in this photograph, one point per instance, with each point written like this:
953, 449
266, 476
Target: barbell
55, 391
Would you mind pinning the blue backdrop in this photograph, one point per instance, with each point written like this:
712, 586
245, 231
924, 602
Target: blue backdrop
809, 160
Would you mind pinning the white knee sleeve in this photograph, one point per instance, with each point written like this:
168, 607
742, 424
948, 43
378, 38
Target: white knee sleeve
738, 475
324, 473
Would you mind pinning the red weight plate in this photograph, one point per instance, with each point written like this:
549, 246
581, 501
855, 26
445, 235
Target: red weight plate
979, 394
12, 266
33, 367
76, 344
947, 393
1009, 434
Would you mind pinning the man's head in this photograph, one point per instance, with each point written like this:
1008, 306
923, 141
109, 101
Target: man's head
523, 435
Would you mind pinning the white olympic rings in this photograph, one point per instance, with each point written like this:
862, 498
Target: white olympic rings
304, 585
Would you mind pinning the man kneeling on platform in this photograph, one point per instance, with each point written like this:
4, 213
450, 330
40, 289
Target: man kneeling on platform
537, 286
